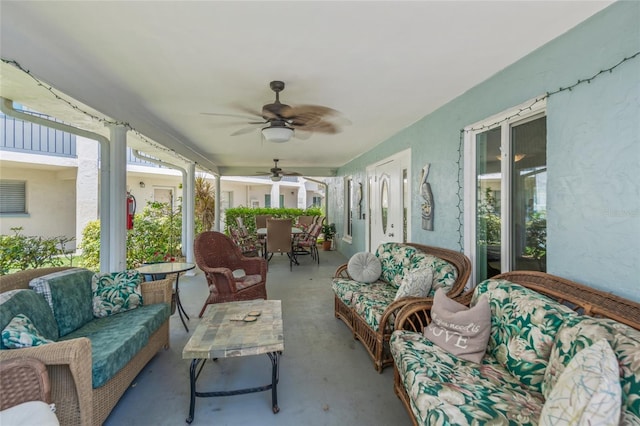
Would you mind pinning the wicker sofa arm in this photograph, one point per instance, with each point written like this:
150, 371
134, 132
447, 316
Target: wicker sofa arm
414, 316
158, 291
69, 366
342, 272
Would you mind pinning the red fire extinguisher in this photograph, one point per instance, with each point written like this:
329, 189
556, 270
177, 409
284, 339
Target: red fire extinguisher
131, 210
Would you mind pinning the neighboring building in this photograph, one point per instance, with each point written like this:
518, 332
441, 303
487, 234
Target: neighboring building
49, 183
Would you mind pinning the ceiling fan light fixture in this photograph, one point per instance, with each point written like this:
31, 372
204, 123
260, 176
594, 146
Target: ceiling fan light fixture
277, 134
276, 178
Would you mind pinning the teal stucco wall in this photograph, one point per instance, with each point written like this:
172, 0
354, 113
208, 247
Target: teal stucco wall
593, 148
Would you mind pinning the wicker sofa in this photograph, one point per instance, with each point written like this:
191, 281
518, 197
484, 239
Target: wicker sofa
369, 309
70, 362
539, 322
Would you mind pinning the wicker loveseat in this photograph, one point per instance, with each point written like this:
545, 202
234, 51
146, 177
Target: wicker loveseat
369, 309
539, 323
72, 361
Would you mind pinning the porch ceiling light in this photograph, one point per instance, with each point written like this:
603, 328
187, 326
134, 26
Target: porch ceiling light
276, 178
277, 134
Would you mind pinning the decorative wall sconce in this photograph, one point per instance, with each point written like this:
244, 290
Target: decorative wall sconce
142, 185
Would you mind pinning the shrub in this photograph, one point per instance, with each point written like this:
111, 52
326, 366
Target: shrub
248, 215
21, 252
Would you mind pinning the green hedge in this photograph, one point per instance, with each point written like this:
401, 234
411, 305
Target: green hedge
248, 215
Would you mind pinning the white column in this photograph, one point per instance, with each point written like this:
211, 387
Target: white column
87, 189
275, 195
118, 198
218, 197
188, 194
302, 193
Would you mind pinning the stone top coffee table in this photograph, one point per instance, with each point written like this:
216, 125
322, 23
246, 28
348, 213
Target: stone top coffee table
236, 329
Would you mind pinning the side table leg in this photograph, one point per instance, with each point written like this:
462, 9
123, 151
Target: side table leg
275, 377
181, 312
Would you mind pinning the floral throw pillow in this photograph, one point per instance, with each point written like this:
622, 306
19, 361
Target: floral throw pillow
416, 283
21, 333
461, 331
116, 292
588, 391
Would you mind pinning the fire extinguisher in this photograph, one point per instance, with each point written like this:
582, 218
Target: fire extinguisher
131, 210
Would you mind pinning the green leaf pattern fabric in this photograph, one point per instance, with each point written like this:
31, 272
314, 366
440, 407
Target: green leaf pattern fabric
344, 288
447, 390
395, 259
523, 326
371, 301
116, 292
21, 333
444, 273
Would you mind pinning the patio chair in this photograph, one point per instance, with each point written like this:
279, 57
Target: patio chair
279, 239
248, 246
309, 241
224, 265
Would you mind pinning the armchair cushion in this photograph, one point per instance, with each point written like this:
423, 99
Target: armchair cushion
69, 296
31, 304
395, 259
21, 333
116, 292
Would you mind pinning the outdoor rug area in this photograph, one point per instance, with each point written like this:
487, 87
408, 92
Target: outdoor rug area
326, 377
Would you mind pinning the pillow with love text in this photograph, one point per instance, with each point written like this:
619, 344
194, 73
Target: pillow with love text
461, 331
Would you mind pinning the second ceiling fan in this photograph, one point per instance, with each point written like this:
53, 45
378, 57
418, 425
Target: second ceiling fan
276, 173
281, 121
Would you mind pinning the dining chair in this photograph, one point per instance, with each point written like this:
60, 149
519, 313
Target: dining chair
279, 239
219, 257
261, 222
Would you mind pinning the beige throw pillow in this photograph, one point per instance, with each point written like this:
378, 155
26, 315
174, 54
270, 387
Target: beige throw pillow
461, 331
364, 267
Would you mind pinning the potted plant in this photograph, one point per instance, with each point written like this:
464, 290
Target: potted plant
329, 232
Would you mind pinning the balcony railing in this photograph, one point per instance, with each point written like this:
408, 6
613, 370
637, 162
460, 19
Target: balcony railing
22, 136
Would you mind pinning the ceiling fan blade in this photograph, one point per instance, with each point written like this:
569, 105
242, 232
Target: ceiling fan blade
318, 111
302, 134
215, 114
290, 174
255, 113
319, 127
245, 130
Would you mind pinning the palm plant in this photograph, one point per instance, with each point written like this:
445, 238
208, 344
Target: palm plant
205, 203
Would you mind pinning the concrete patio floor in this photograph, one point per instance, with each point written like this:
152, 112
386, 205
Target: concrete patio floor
326, 377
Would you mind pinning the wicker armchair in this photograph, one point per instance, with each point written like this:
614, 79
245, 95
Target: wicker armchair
217, 256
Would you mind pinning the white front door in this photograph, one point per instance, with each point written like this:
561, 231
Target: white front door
388, 201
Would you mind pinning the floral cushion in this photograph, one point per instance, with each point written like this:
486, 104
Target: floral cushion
444, 273
116, 292
371, 302
445, 389
395, 259
32, 305
587, 392
344, 289
523, 326
21, 333
416, 283
580, 332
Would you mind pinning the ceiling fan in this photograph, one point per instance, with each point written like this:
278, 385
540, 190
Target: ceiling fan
276, 173
283, 121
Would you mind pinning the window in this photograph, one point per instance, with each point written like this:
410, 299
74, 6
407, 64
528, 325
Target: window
13, 197
509, 181
348, 202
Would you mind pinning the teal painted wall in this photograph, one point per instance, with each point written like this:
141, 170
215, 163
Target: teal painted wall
593, 143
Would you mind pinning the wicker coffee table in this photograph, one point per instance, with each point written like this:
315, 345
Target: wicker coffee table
236, 329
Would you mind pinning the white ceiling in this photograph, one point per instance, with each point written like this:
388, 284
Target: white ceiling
157, 65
